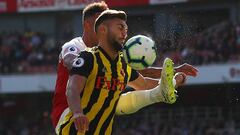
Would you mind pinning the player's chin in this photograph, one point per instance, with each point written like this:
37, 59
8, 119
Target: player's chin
122, 40
121, 43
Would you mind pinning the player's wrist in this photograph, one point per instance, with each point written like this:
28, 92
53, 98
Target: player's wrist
155, 94
176, 69
77, 114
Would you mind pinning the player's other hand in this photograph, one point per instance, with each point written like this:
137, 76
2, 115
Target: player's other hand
180, 78
81, 122
187, 69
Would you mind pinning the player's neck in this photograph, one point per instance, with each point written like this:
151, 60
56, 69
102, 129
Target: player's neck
87, 41
110, 51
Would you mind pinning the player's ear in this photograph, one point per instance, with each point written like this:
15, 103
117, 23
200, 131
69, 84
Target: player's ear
86, 24
102, 29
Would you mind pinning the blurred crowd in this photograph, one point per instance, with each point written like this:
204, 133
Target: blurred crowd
179, 127
28, 52
215, 45
25, 114
33, 52
34, 124
179, 122
154, 120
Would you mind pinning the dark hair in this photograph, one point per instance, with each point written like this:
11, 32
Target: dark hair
109, 14
94, 8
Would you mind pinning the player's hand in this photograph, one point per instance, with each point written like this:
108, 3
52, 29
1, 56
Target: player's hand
187, 69
180, 78
81, 122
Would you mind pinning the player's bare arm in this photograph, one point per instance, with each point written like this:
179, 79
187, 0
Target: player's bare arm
187, 69
81, 67
144, 83
155, 72
74, 88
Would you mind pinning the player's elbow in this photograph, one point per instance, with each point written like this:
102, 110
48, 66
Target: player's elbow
69, 90
73, 88
75, 85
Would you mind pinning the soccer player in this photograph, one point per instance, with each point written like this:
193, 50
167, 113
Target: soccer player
71, 49
98, 77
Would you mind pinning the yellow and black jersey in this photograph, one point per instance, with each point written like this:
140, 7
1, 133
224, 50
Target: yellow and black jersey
106, 79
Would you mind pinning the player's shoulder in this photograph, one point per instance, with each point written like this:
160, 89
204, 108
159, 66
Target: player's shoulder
85, 57
91, 50
87, 53
75, 43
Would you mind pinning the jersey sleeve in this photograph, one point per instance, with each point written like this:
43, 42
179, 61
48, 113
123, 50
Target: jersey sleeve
134, 75
83, 64
72, 47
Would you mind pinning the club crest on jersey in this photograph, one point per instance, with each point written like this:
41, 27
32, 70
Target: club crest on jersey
78, 62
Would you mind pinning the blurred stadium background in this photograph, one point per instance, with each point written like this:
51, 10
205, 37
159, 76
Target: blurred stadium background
205, 33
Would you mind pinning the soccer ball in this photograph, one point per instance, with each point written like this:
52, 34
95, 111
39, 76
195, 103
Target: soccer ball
139, 52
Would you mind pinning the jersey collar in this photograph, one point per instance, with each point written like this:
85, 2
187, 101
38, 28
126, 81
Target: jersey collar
107, 56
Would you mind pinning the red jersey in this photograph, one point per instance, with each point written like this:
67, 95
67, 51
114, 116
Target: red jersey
60, 100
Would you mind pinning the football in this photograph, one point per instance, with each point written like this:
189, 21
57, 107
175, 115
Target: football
139, 52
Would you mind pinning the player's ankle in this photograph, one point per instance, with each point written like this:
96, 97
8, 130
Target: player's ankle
156, 95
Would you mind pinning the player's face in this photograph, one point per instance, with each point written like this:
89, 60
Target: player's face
117, 33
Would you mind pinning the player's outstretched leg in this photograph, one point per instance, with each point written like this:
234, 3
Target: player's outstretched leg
165, 92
